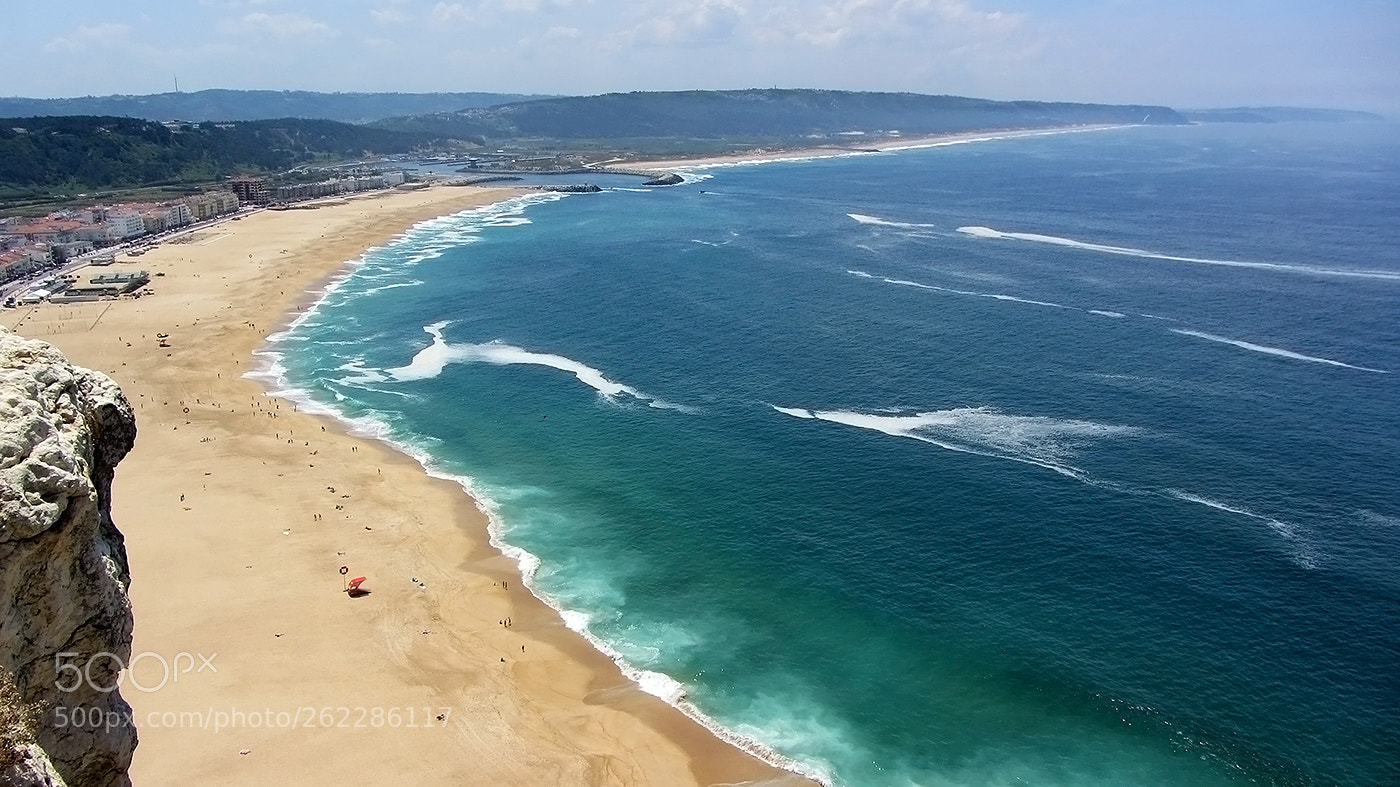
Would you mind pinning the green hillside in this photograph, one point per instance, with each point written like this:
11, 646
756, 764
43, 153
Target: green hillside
256, 105
761, 115
47, 154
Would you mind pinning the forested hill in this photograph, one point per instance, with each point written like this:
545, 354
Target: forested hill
256, 105
762, 115
88, 153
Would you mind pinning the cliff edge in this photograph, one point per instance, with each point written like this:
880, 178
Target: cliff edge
65, 620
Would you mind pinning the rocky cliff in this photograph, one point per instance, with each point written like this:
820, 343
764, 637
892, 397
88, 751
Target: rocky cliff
65, 621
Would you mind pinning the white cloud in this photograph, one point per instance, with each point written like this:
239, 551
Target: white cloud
562, 33
282, 25
827, 24
389, 15
447, 13
485, 7
883, 20
694, 22
89, 36
233, 4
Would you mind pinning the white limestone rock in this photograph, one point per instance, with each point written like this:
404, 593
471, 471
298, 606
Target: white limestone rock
63, 567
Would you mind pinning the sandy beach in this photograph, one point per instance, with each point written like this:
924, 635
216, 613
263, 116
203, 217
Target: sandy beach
244, 519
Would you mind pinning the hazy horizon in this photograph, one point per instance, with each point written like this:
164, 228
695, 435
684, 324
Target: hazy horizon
1184, 54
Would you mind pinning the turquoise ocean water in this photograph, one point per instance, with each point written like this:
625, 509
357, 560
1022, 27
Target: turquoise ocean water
1067, 459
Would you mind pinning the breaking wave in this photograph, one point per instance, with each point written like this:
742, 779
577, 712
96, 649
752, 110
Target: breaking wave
987, 232
431, 360
1036, 440
879, 222
1276, 351
1044, 442
992, 295
1301, 549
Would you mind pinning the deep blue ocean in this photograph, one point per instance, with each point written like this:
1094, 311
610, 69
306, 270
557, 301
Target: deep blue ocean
1069, 459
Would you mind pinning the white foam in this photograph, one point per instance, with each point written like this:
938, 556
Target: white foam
431, 360
988, 232
969, 293
1302, 551
658, 684
385, 391
1043, 442
943, 143
690, 169
753, 162
796, 412
1102, 313
1375, 518
1281, 353
373, 290
670, 690
876, 221
1036, 440
363, 374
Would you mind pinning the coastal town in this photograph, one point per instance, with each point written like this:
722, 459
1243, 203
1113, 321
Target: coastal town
38, 255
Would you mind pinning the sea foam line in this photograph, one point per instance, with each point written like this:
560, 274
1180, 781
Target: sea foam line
1276, 351
424, 240
395, 286
431, 360
1044, 132
272, 373
1303, 552
1043, 442
692, 172
969, 293
876, 221
1035, 440
987, 232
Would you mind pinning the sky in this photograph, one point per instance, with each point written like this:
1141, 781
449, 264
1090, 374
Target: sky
1182, 53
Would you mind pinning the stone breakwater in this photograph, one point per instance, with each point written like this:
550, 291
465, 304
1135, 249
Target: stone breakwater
63, 564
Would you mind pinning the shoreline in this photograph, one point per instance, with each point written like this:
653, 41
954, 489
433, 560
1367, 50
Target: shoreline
231, 557
887, 145
273, 379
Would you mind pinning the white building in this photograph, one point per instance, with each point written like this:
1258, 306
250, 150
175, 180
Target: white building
121, 226
178, 214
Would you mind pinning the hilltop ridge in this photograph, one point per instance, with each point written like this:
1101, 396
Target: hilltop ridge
220, 104
80, 153
763, 115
